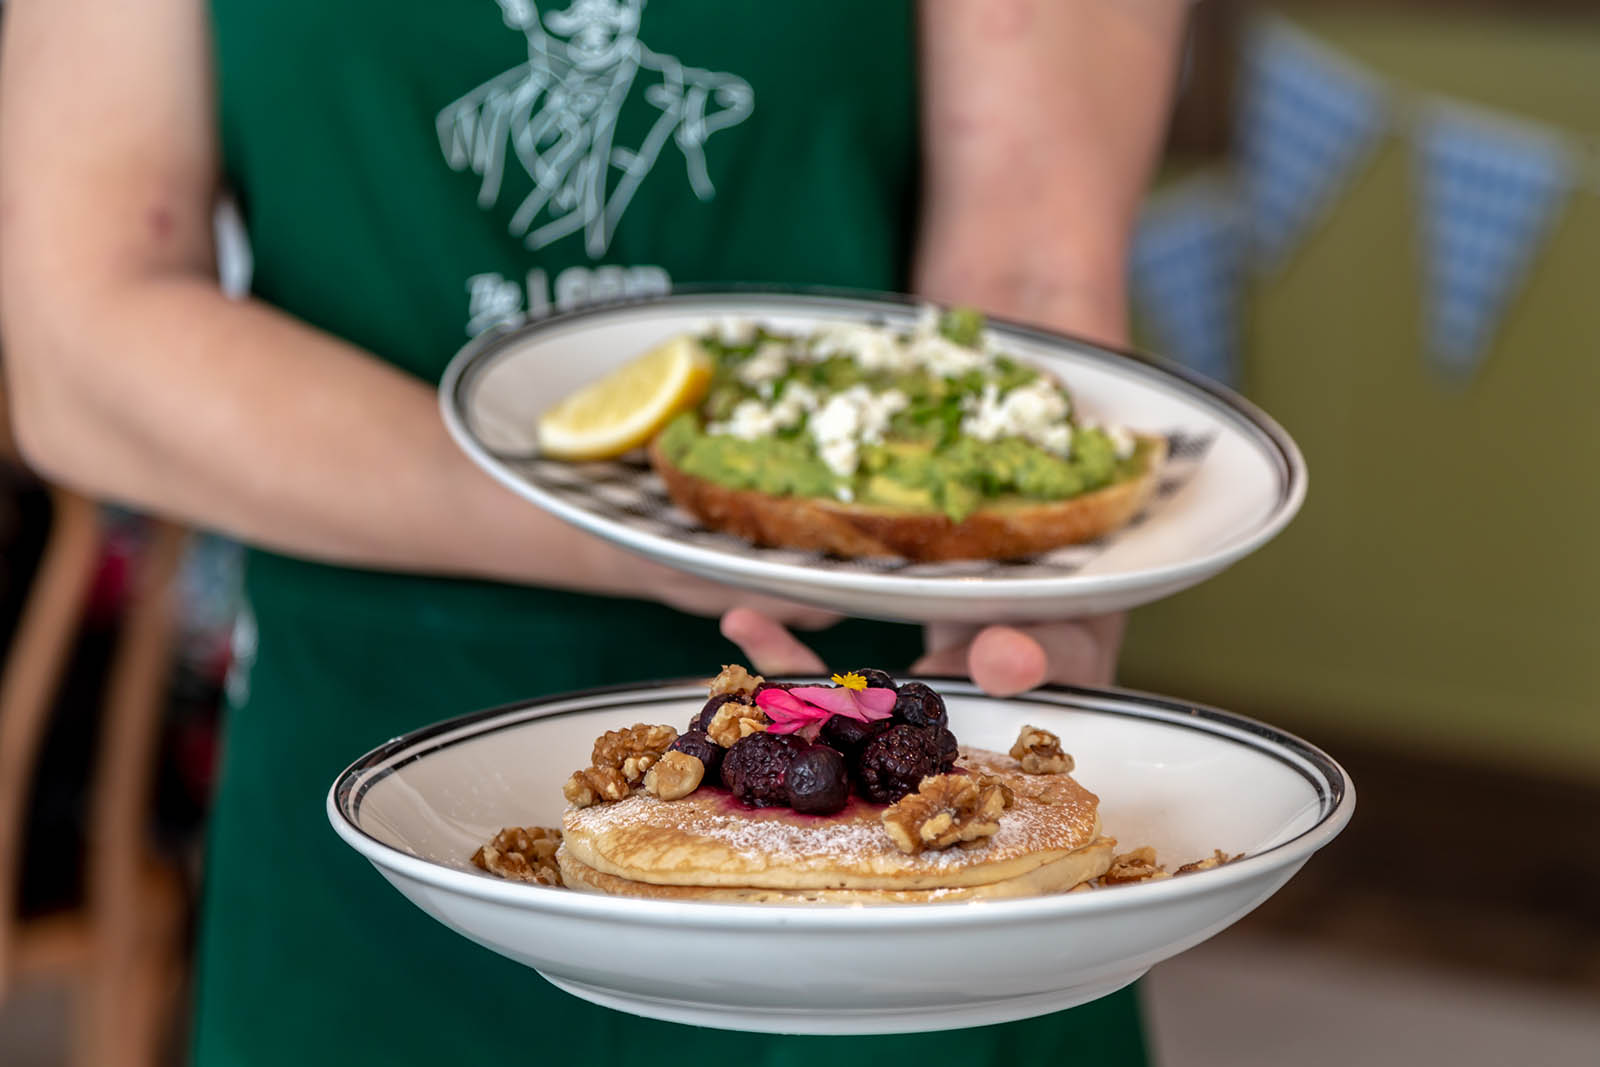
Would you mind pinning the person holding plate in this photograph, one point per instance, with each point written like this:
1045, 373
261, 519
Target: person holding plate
413, 173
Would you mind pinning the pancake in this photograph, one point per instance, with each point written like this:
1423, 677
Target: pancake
1083, 865
709, 840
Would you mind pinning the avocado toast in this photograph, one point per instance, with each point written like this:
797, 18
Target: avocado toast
928, 444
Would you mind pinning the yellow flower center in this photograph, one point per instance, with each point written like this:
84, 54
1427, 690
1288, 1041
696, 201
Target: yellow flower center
850, 681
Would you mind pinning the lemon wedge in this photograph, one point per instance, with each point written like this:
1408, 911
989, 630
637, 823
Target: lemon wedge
630, 405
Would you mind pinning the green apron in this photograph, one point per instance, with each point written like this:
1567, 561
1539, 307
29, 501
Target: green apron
413, 171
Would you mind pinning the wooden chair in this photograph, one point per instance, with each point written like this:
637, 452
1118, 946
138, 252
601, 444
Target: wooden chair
123, 951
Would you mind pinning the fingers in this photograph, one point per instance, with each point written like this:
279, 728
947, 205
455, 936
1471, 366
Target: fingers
770, 648
1006, 660
797, 616
1081, 651
947, 643
697, 596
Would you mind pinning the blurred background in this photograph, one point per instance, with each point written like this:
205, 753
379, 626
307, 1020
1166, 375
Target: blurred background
1380, 221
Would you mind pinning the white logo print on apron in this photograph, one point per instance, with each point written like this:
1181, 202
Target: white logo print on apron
556, 116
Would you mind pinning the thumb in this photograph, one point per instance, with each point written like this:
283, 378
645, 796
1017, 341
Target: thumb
770, 648
1004, 661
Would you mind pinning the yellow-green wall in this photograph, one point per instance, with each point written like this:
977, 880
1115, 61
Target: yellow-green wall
1441, 588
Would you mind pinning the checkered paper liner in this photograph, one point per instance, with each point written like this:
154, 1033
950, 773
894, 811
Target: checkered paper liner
628, 493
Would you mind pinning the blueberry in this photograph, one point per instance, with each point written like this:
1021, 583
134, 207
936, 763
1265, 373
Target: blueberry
755, 766
817, 782
702, 748
895, 762
919, 705
848, 735
876, 679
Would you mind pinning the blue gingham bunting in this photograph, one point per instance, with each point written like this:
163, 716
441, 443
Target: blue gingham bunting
1186, 268
1490, 188
1308, 117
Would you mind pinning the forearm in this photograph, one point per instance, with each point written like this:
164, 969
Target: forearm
133, 378
159, 392
1037, 162
1041, 121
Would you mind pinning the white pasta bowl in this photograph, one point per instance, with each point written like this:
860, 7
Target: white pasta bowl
1182, 778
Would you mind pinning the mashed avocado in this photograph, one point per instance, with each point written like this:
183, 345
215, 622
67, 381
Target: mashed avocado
933, 420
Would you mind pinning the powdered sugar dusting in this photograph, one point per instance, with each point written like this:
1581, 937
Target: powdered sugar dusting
1053, 814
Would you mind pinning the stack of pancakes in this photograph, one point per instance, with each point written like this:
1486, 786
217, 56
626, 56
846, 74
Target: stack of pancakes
708, 846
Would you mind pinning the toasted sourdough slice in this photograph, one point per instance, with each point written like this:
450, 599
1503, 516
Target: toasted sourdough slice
1006, 530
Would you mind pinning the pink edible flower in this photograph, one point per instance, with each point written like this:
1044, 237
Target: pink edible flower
805, 709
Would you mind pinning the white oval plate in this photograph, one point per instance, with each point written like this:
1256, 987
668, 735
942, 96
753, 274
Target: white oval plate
1234, 481
1184, 779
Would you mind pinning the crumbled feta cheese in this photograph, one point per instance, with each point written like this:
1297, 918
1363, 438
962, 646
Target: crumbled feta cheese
749, 420
1122, 442
879, 349
944, 357
752, 419
736, 331
850, 419
934, 351
770, 362
872, 348
1035, 412
797, 400
1056, 438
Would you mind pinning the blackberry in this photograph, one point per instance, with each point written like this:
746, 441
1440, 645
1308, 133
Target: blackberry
895, 762
702, 748
919, 705
817, 782
848, 735
876, 679
948, 749
703, 717
754, 768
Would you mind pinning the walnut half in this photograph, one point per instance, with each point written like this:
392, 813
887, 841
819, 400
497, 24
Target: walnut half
735, 679
676, 775
1137, 866
735, 720
595, 784
1039, 752
947, 809
523, 854
1216, 859
632, 751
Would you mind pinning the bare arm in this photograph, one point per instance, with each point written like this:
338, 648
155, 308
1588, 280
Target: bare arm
1041, 120
133, 378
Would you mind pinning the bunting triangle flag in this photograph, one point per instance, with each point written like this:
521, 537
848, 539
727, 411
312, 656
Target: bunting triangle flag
1491, 186
1185, 274
1308, 119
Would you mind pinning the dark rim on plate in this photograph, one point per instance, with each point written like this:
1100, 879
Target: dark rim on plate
479, 354
1328, 782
